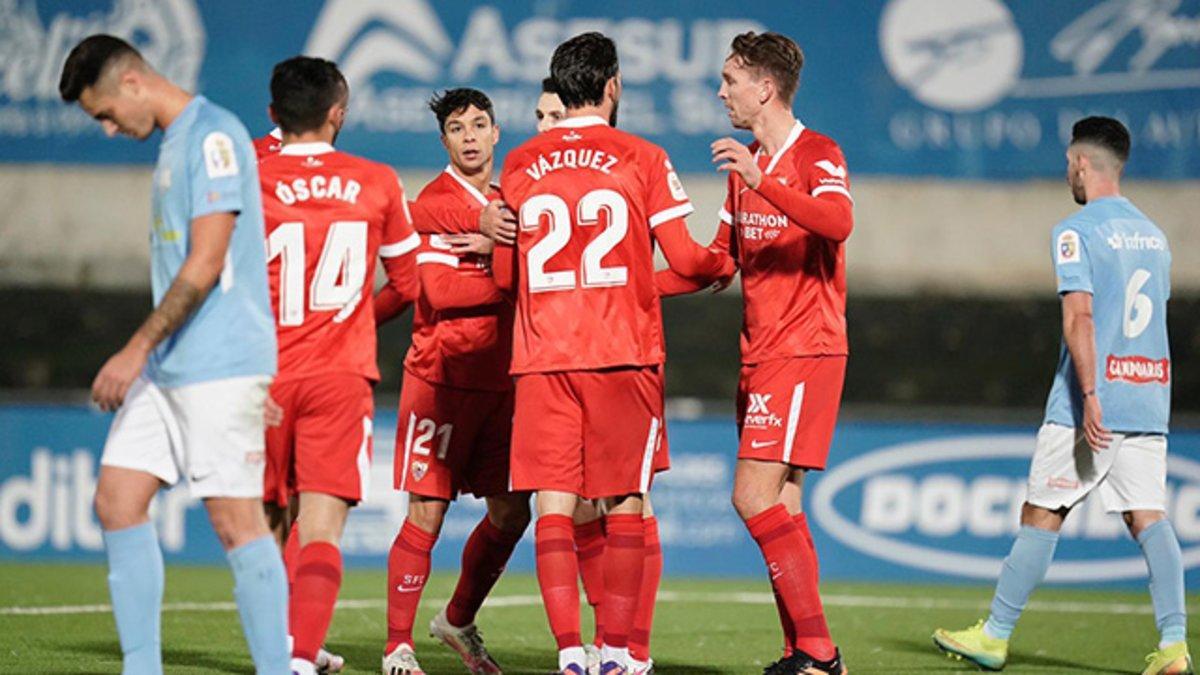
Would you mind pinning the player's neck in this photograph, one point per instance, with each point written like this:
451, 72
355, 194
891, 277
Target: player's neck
480, 179
1102, 189
772, 129
603, 112
170, 102
316, 136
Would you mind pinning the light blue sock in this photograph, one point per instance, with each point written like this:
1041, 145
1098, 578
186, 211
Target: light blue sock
1163, 557
135, 583
260, 588
1023, 570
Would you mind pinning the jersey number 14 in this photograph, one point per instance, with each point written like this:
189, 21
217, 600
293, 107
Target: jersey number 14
337, 283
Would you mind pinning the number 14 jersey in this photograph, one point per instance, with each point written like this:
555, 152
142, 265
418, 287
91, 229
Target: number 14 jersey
329, 215
587, 197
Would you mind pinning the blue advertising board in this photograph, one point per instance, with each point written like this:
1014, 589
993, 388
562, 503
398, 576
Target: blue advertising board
978, 89
900, 502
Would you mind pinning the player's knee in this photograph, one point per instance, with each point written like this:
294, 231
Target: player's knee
427, 515
509, 515
749, 503
236, 521
1043, 518
116, 513
1137, 521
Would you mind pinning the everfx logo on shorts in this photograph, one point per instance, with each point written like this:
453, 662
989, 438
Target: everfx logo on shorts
758, 414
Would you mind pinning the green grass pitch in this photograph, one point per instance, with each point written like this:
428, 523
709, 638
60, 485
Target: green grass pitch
702, 626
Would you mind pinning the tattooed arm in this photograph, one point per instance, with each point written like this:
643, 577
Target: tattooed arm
199, 273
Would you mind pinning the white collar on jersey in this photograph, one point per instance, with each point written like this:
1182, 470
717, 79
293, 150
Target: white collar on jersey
577, 122
471, 190
302, 149
793, 136
276, 133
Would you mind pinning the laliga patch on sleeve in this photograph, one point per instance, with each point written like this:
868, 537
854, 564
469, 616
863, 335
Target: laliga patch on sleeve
676, 186
219, 158
1067, 247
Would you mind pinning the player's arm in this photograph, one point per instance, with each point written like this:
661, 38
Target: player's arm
445, 288
399, 260
1079, 332
435, 216
824, 210
504, 267
669, 282
208, 244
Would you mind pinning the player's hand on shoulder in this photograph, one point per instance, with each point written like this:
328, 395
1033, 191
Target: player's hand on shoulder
1098, 437
462, 244
730, 155
498, 222
117, 375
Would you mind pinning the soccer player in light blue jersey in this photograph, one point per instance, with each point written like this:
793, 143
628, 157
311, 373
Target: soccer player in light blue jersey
189, 386
1106, 418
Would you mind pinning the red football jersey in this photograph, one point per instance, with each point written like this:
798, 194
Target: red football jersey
329, 216
268, 145
468, 347
793, 281
587, 197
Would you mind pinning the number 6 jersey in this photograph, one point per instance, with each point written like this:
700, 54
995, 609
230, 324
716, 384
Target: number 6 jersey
329, 216
587, 197
1111, 250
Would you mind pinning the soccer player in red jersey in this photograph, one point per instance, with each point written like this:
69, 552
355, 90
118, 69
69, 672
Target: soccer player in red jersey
269, 144
587, 349
329, 216
456, 402
786, 218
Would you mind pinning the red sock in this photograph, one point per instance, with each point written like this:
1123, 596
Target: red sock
408, 569
802, 522
483, 559
310, 608
643, 621
789, 631
792, 564
291, 553
557, 571
589, 547
624, 560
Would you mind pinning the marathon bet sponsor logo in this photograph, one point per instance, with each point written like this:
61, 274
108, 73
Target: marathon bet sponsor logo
951, 506
393, 51
169, 33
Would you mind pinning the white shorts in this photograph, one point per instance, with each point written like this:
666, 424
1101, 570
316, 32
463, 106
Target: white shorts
210, 432
1130, 474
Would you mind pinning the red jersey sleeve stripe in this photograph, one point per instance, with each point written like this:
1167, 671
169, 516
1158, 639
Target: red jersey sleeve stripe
439, 258
401, 247
838, 189
725, 216
677, 211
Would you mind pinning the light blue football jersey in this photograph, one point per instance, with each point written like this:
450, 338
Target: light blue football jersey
206, 165
1111, 249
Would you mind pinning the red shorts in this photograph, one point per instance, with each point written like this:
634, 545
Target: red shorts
787, 409
594, 433
324, 442
452, 440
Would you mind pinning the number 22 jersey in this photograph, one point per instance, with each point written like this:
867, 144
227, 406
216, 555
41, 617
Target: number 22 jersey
329, 215
587, 197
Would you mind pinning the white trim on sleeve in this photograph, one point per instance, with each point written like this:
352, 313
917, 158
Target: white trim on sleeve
725, 216
439, 258
677, 211
406, 245
822, 189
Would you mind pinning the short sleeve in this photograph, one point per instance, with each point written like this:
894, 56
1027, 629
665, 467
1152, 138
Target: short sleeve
399, 237
1071, 263
215, 166
665, 197
827, 172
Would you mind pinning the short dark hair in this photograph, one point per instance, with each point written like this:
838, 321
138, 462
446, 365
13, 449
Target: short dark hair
773, 54
87, 62
548, 86
581, 67
453, 101
303, 89
1105, 132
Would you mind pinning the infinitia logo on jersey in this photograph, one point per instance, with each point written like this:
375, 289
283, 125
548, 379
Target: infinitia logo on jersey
219, 158
35, 37
835, 170
758, 413
419, 469
958, 56
1136, 242
1067, 247
1137, 370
